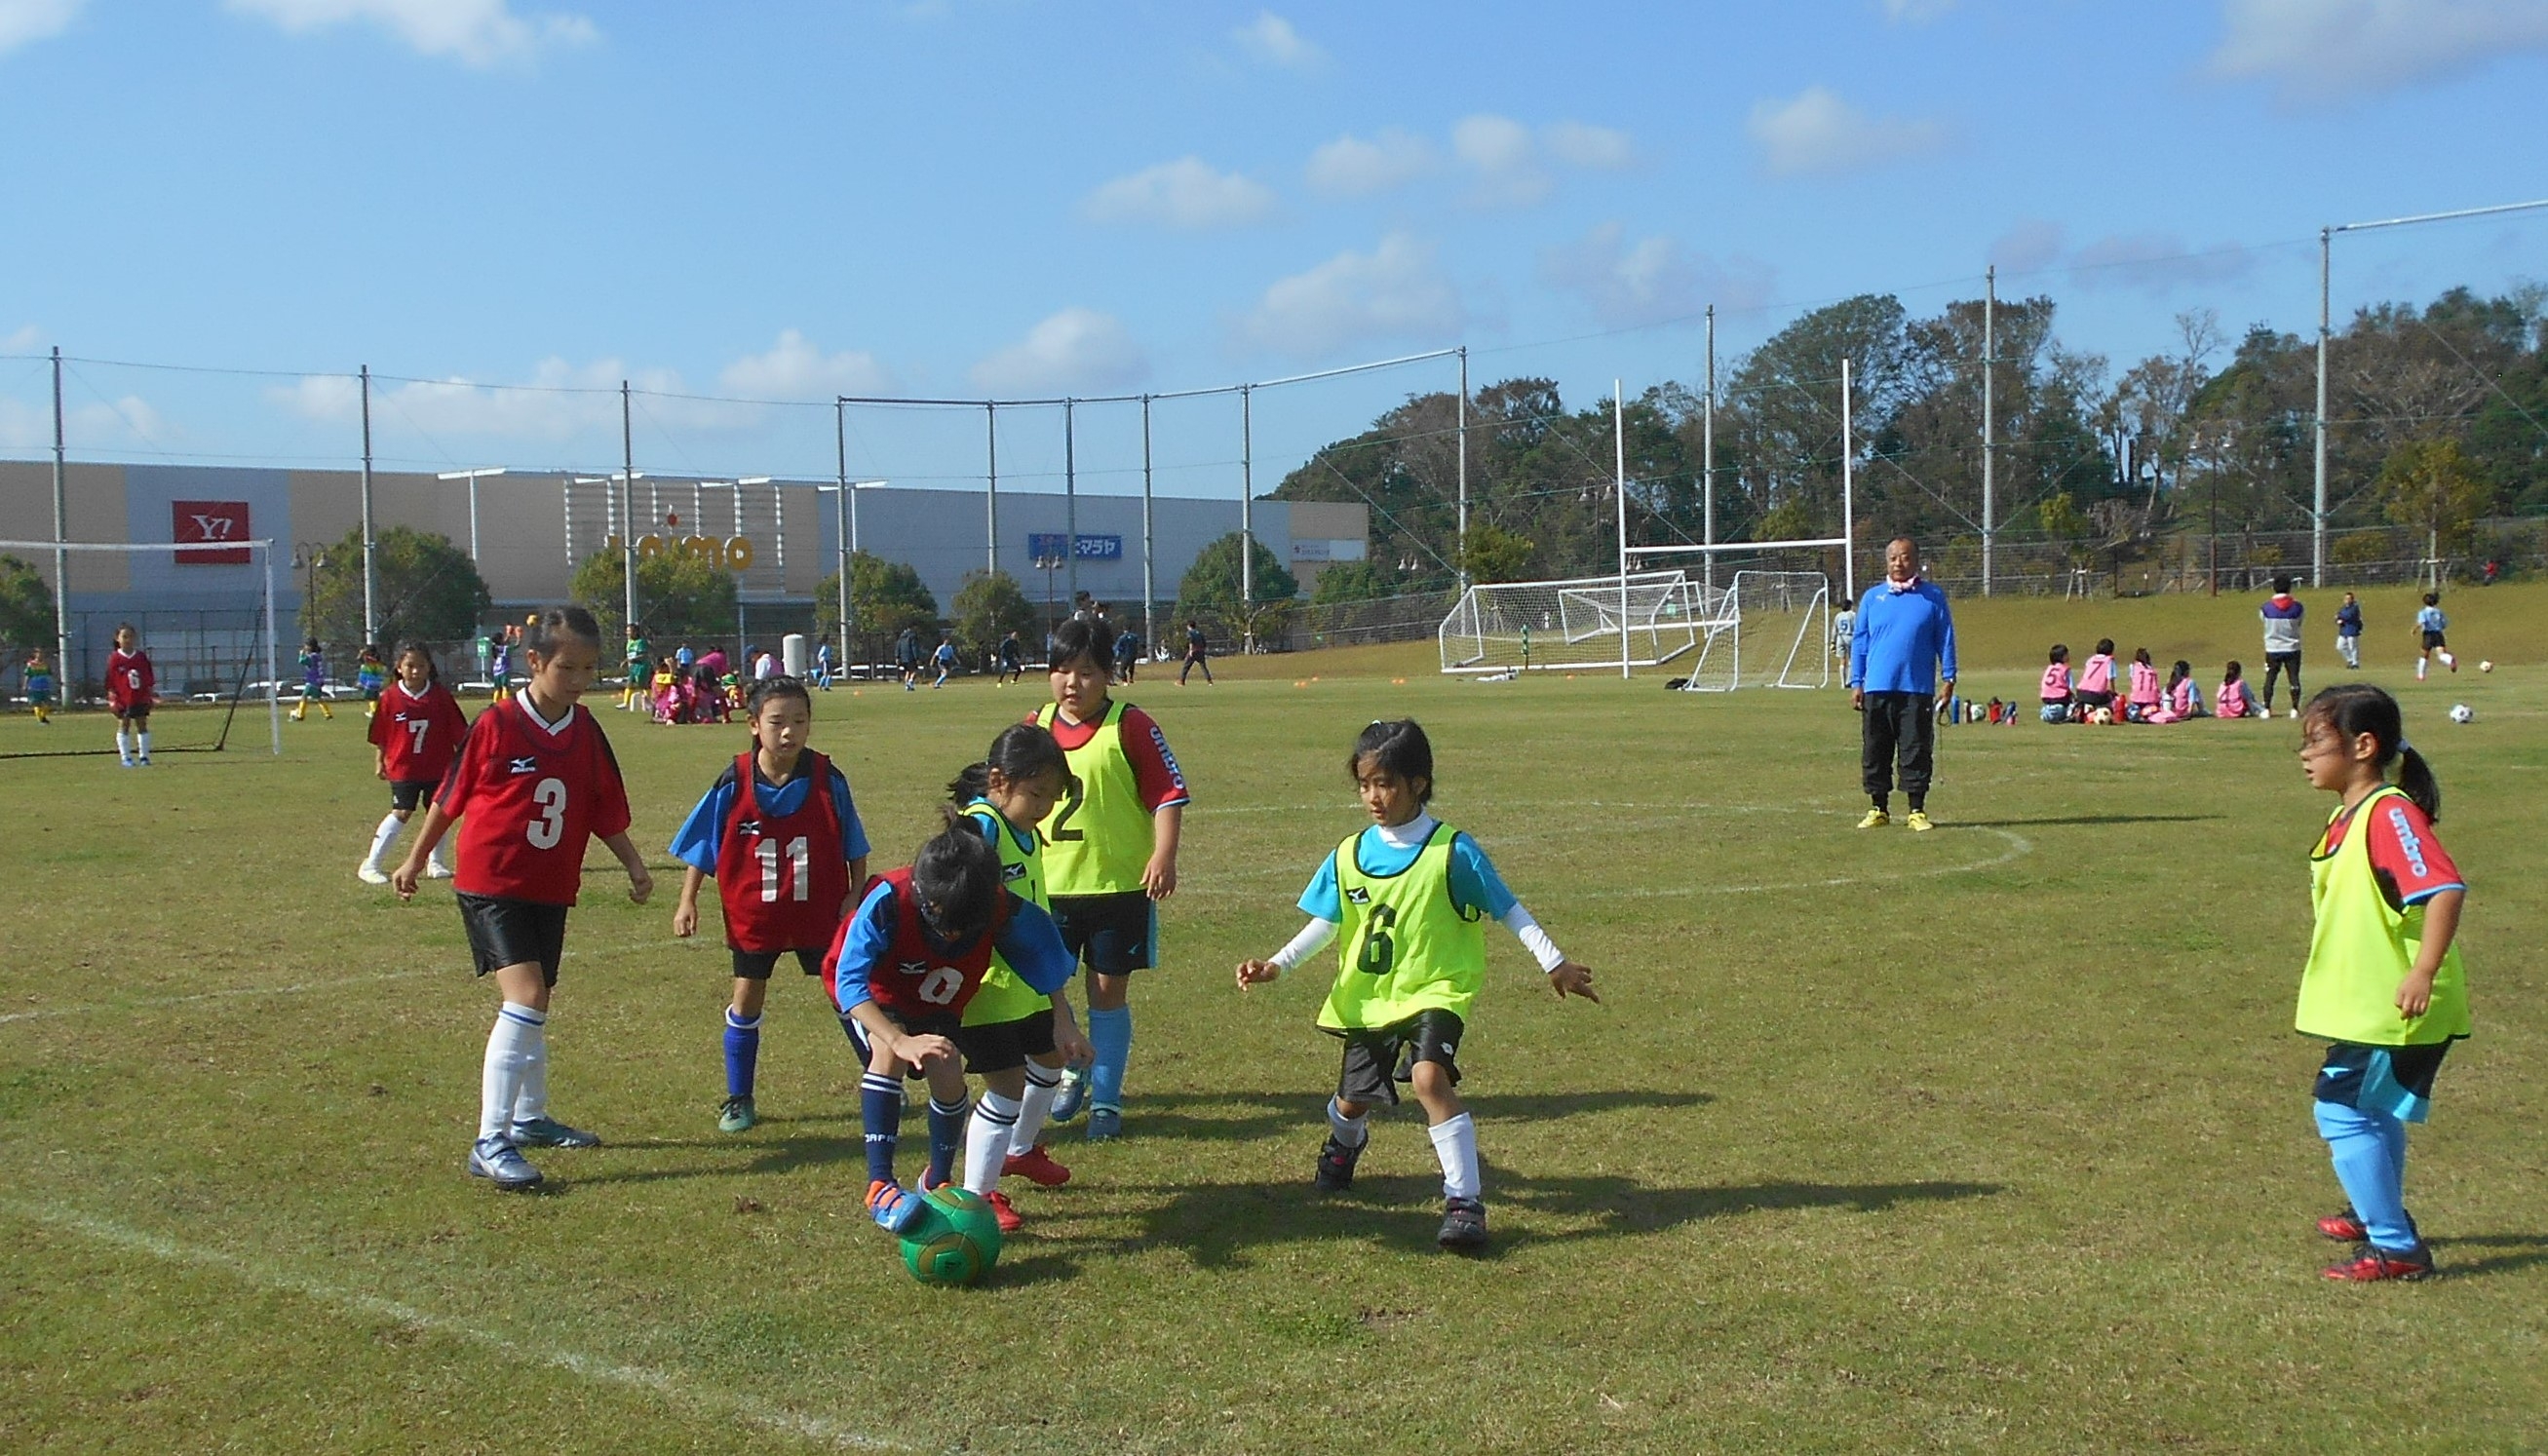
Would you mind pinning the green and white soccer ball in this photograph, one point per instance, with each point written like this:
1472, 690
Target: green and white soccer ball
955, 1240
2461, 713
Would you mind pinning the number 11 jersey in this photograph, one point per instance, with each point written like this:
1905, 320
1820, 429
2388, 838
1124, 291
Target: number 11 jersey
528, 794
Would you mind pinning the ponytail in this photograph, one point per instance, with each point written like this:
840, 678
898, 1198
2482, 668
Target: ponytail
2415, 778
1023, 752
973, 782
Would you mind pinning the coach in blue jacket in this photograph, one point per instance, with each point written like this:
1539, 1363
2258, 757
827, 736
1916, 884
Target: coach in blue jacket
1901, 661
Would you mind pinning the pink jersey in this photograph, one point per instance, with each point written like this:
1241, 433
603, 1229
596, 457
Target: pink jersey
2099, 674
2145, 685
2233, 702
2180, 698
2057, 683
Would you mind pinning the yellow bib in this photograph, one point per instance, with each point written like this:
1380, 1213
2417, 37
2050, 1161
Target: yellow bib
1403, 946
2360, 950
1097, 841
1002, 997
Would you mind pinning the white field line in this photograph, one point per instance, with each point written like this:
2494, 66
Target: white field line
673, 1387
2018, 848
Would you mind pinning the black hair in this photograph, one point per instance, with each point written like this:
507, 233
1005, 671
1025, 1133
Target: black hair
2432, 599
775, 687
2060, 652
2105, 647
2178, 674
308, 643
2231, 675
957, 877
1023, 752
1083, 638
1846, 603
2141, 655
1399, 749
2283, 584
558, 624
432, 669
2356, 708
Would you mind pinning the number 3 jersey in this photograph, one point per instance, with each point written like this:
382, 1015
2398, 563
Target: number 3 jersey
780, 854
887, 954
1411, 924
528, 794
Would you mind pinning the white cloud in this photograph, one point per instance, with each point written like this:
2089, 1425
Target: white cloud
1916, 12
558, 403
1594, 149
22, 340
1395, 291
1500, 153
1271, 39
1349, 167
1185, 194
2324, 49
25, 21
2155, 263
1818, 133
130, 425
1652, 280
478, 33
2029, 247
796, 369
1074, 350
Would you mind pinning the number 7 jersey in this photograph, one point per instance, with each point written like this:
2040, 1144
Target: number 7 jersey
528, 794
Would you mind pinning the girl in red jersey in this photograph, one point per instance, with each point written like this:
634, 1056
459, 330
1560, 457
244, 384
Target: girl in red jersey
416, 726
788, 858
906, 964
131, 687
535, 781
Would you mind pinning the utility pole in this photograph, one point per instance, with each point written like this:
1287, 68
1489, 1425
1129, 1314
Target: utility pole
991, 500
1707, 457
1149, 588
61, 557
2318, 495
1071, 501
627, 502
1620, 483
371, 612
839, 523
1247, 517
1848, 485
1464, 468
1990, 373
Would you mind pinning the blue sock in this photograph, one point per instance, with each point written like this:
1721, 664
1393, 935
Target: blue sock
2373, 1174
742, 1053
945, 1138
880, 1112
1111, 1033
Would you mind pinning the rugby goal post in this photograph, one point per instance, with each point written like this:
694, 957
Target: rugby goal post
1641, 620
205, 613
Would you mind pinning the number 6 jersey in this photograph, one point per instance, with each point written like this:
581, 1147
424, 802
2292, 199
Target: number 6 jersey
528, 794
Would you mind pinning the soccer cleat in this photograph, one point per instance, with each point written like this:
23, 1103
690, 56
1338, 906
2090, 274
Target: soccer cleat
1464, 1224
893, 1208
142, 762
1009, 1220
1335, 1168
2344, 1227
1105, 1125
1919, 821
736, 1116
550, 1133
500, 1162
1035, 1166
2371, 1264
1876, 819
370, 873
436, 869
1067, 1102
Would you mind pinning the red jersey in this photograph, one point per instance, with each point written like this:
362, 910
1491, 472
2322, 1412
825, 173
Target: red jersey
912, 976
782, 878
418, 733
528, 795
2408, 860
1145, 748
130, 681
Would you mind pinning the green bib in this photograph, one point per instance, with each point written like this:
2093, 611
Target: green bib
1097, 841
2360, 950
1403, 946
1003, 998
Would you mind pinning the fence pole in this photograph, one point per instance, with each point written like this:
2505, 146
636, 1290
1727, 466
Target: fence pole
1707, 457
1149, 588
62, 558
2317, 498
1070, 506
1990, 372
1464, 468
1247, 517
1619, 456
992, 497
1848, 483
628, 502
371, 614
841, 524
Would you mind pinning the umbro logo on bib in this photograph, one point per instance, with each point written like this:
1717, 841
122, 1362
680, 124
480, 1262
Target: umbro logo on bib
527, 765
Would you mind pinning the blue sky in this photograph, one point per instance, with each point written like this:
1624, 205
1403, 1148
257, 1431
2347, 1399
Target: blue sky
789, 200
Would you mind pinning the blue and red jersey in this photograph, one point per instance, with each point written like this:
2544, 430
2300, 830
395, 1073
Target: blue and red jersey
781, 854
2408, 860
887, 954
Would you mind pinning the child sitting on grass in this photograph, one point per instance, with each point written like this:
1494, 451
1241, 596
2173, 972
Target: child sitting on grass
2056, 691
2235, 700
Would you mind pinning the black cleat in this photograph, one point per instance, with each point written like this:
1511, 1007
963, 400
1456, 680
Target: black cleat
1337, 1165
1464, 1224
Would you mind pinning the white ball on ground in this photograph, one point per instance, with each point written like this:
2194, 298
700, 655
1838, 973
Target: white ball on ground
2487, 666
2460, 713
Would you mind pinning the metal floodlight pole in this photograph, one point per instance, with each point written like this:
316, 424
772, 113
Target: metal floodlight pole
1990, 372
992, 497
1150, 586
841, 522
1070, 500
1464, 468
1619, 482
1707, 455
1247, 517
1848, 483
62, 557
371, 583
627, 502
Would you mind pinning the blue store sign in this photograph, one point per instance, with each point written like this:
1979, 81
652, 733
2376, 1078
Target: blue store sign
1091, 548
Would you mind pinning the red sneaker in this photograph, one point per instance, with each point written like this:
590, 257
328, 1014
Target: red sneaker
2374, 1263
1010, 1221
2344, 1227
1035, 1166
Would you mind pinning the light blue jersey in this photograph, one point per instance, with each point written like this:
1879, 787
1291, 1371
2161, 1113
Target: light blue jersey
2430, 619
1474, 884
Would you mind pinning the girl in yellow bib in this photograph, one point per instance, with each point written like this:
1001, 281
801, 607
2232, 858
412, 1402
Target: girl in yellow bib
2384, 982
1407, 898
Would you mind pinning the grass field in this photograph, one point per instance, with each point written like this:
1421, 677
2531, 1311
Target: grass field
1996, 1136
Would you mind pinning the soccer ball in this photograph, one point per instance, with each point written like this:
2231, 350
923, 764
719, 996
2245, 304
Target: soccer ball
955, 1240
2487, 666
2460, 713
2101, 715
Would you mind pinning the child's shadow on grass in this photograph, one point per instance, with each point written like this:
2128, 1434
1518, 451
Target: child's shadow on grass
1190, 1116
2523, 1252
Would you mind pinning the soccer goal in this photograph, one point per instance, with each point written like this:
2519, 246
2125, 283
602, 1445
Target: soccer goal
1643, 619
205, 615
1767, 629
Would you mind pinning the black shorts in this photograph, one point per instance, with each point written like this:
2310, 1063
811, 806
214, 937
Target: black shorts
1114, 934
407, 795
2088, 699
506, 931
2283, 658
756, 965
140, 712
2433, 640
1378, 1058
1003, 1046
945, 1024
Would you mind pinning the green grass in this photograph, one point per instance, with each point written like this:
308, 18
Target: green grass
1995, 1138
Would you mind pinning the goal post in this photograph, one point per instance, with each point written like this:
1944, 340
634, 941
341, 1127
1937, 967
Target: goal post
1770, 629
205, 613
1642, 620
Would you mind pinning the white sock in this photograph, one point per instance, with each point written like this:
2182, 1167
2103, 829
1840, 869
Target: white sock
123, 746
1455, 1143
987, 1139
518, 1030
1351, 1132
532, 1101
1044, 1083
382, 838
2419, 670
144, 738
2448, 661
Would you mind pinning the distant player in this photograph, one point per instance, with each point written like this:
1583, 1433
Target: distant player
417, 728
2431, 622
1198, 653
907, 964
1128, 656
1110, 855
43, 688
1013, 659
2348, 631
1017, 1038
944, 659
314, 683
1405, 899
499, 671
788, 858
1844, 626
2282, 614
639, 658
131, 687
906, 656
370, 675
535, 782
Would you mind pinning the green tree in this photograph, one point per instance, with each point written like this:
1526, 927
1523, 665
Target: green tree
423, 587
2063, 523
1496, 554
678, 593
2433, 487
1210, 592
1356, 581
26, 607
990, 606
885, 597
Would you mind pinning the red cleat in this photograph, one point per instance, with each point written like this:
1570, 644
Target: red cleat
1010, 1221
1035, 1166
2373, 1264
2344, 1227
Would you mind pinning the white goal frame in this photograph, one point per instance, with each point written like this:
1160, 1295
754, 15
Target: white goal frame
261, 560
1801, 660
1555, 625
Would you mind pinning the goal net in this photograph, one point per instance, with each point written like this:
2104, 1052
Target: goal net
204, 614
1641, 621
1765, 629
